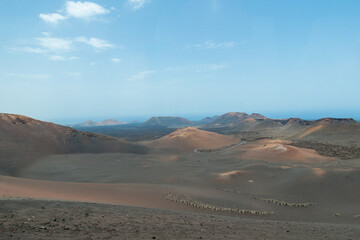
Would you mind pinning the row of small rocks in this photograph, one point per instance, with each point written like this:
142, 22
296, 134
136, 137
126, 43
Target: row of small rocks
272, 201
188, 201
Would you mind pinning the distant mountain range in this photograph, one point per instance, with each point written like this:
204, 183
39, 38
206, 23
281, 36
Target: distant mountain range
341, 131
108, 122
23, 139
167, 122
232, 118
238, 120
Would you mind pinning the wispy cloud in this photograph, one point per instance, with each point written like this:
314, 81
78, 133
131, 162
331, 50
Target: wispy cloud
84, 9
55, 44
52, 17
59, 49
52, 44
141, 75
29, 76
116, 60
62, 58
214, 45
137, 4
95, 42
72, 9
198, 68
35, 50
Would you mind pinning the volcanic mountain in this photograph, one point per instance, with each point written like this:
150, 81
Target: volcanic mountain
232, 118
167, 122
189, 138
342, 131
207, 120
24, 140
339, 131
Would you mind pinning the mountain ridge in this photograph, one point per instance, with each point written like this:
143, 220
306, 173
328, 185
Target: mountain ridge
167, 121
24, 140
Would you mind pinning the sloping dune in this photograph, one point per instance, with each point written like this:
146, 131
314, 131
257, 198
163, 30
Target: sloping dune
310, 131
189, 138
279, 150
141, 195
225, 176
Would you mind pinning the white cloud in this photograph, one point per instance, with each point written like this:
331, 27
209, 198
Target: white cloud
57, 58
137, 4
33, 50
95, 42
214, 45
29, 76
55, 44
116, 60
74, 9
141, 75
59, 44
51, 17
61, 58
92, 63
84, 9
54, 47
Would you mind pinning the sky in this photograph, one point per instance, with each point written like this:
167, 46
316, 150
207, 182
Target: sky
70, 61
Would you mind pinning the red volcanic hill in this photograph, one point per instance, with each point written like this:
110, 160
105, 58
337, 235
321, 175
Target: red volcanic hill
23, 140
189, 138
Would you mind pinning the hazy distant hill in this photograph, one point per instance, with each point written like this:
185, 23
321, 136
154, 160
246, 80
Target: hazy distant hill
232, 118
207, 120
23, 140
167, 122
108, 122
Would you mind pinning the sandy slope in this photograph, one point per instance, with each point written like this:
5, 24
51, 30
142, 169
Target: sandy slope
188, 139
143, 195
280, 151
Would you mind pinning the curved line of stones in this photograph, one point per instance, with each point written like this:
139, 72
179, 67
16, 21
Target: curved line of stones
188, 201
272, 201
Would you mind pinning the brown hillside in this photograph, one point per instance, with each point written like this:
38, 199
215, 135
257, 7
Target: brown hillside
190, 138
23, 140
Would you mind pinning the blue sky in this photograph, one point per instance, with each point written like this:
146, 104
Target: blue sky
69, 61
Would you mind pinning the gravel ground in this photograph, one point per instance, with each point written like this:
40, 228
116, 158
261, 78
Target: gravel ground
330, 150
39, 219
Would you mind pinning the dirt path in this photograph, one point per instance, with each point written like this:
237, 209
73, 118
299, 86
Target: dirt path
201, 150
